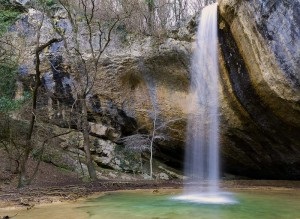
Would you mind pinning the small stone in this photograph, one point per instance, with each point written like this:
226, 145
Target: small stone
126, 178
163, 176
98, 129
24, 202
222, 25
118, 162
155, 191
146, 176
112, 175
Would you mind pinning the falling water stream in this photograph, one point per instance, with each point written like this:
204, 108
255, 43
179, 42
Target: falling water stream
202, 150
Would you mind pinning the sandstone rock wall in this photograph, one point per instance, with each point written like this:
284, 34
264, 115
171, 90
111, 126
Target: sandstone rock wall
259, 87
259, 43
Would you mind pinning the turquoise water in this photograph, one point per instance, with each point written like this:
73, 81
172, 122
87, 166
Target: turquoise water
251, 204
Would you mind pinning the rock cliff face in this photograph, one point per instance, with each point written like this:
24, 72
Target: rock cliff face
259, 45
141, 80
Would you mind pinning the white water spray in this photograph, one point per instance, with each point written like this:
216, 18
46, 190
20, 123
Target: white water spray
202, 150
202, 159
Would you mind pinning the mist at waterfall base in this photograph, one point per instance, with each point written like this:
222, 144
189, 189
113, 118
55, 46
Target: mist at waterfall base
202, 149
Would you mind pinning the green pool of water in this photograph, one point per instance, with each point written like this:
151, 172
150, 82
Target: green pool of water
252, 204
144, 205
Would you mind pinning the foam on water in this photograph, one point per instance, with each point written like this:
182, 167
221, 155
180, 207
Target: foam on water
208, 198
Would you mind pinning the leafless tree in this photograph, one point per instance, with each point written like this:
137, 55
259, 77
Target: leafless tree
93, 17
37, 84
145, 142
29, 144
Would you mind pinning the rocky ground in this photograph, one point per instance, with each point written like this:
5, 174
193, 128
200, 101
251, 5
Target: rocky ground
53, 184
56, 185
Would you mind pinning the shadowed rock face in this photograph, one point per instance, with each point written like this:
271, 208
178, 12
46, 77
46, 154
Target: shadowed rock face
260, 69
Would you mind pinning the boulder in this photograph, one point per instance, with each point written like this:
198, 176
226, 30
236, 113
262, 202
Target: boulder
100, 130
163, 176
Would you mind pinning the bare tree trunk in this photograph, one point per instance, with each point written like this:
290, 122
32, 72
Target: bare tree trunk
151, 144
86, 73
78, 157
86, 140
151, 155
151, 15
29, 146
22, 171
141, 160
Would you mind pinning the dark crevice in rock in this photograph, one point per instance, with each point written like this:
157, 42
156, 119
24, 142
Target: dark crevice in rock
63, 90
96, 104
172, 156
104, 166
109, 114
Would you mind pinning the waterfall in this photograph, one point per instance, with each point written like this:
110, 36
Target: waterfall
202, 149
202, 158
